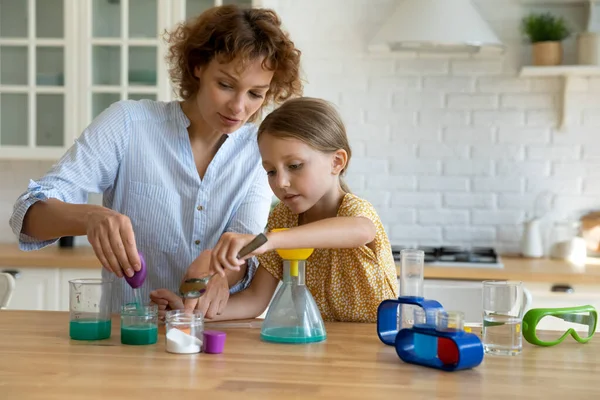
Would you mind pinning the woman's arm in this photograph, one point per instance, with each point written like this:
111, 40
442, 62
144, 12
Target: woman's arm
56, 206
89, 166
52, 218
250, 303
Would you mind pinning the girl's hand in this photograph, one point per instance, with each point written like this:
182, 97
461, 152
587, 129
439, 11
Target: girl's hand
111, 236
165, 300
214, 300
224, 254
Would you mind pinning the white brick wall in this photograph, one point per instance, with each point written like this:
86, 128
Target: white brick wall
450, 149
470, 143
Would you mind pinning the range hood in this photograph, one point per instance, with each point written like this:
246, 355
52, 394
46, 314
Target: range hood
435, 26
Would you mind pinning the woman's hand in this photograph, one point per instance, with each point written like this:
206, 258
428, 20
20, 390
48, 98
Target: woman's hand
224, 254
111, 235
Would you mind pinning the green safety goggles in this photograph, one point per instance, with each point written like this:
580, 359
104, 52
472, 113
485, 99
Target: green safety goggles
580, 323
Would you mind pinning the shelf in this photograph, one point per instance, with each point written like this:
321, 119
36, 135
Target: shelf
31, 153
561, 70
566, 73
555, 2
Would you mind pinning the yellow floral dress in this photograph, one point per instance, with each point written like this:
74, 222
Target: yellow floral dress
347, 284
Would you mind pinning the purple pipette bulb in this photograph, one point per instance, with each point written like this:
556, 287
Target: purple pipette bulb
138, 277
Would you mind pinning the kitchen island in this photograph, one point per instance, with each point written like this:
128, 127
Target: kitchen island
39, 361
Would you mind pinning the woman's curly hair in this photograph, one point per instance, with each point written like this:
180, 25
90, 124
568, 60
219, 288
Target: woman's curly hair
229, 32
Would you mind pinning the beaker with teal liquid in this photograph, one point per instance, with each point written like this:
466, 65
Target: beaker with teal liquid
89, 309
293, 315
139, 324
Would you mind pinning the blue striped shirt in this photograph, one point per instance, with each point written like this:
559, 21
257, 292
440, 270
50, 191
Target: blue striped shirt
138, 155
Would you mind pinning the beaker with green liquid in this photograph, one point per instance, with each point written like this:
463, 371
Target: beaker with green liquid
89, 309
293, 315
139, 324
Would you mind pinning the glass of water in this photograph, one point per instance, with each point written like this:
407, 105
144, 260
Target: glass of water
503, 307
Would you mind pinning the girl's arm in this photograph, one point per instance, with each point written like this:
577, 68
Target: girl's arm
250, 303
337, 232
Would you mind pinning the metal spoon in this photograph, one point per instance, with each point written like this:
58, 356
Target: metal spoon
195, 287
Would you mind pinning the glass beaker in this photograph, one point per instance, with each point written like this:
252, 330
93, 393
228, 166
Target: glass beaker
411, 283
139, 324
89, 309
184, 331
503, 307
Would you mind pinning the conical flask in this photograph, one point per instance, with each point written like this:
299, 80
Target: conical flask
293, 316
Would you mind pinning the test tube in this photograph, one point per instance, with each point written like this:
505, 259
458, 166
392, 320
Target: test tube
449, 321
425, 345
411, 275
411, 283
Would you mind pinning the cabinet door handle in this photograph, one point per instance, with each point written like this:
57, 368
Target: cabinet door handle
562, 288
14, 272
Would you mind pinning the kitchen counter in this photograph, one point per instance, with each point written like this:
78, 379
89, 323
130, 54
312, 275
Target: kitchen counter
523, 269
48, 257
515, 268
39, 361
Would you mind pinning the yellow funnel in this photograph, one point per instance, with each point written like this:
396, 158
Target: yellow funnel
293, 255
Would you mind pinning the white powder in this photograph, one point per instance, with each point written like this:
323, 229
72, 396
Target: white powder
182, 343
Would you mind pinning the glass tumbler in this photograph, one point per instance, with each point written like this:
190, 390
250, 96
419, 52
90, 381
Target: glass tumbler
503, 307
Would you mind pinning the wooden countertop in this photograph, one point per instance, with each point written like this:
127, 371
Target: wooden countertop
515, 268
39, 361
48, 257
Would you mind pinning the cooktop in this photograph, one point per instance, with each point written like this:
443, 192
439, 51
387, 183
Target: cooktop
453, 256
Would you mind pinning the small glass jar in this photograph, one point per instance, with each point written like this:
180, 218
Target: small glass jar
139, 325
184, 331
450, 321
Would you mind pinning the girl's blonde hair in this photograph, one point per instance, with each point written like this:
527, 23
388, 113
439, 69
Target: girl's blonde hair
313, 121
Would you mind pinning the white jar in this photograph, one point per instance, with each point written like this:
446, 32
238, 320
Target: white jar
588, 48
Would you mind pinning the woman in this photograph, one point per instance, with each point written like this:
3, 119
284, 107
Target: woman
174, 176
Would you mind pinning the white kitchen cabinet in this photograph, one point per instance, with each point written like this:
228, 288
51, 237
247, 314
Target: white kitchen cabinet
64, 61
467, 296
45, 288
548, 295
35, 289
37, 80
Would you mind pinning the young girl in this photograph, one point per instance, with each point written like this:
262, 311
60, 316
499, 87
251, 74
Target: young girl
305, 152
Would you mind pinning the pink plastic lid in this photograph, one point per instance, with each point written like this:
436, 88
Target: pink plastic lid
214, 342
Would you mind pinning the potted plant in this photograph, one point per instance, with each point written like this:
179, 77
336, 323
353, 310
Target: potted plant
546, 33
